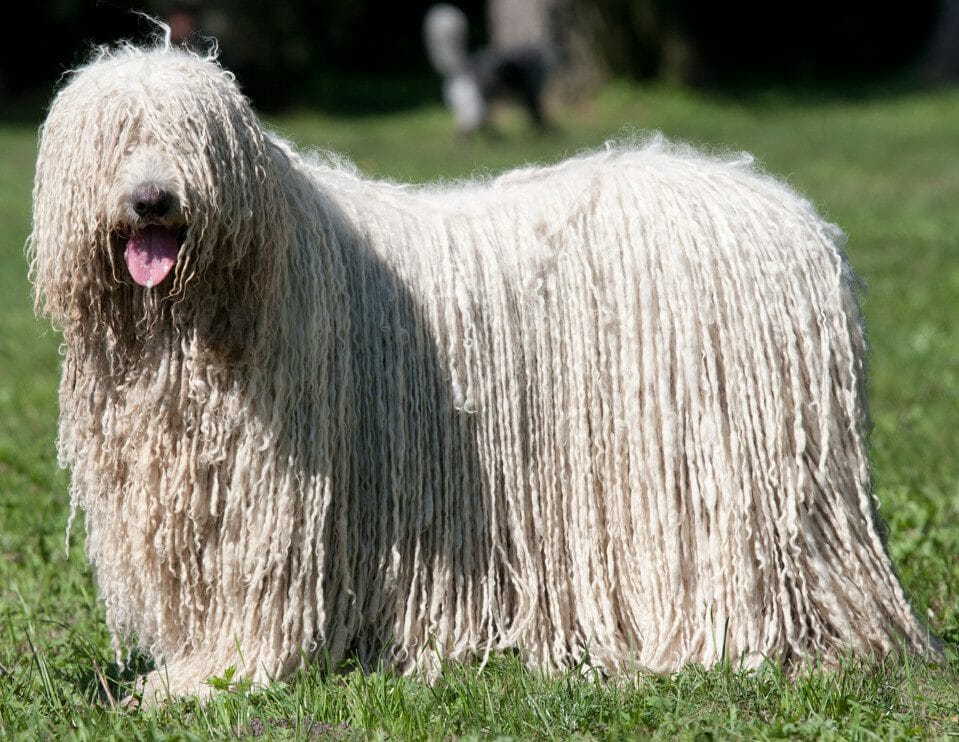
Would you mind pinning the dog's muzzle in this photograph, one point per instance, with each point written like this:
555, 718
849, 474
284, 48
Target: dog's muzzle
151, 251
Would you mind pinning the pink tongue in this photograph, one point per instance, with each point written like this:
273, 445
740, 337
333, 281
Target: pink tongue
151, 254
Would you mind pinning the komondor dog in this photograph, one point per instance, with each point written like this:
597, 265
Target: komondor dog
607, 412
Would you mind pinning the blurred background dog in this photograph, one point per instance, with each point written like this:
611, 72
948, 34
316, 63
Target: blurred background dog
473, 81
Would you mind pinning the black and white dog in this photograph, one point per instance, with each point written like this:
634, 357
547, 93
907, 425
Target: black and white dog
474, 80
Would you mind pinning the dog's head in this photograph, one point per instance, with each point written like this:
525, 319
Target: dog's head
156, 195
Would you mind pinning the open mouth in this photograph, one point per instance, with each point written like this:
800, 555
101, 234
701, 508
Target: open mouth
150, 254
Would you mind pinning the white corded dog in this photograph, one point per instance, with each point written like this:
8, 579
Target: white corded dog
607, 411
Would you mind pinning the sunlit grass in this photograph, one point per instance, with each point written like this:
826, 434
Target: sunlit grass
885, 167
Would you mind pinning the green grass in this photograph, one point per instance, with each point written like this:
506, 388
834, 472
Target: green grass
886, 167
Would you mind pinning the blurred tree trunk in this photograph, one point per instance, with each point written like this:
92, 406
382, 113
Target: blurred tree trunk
643, 39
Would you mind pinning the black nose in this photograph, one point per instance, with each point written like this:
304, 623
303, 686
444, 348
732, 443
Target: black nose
151, 200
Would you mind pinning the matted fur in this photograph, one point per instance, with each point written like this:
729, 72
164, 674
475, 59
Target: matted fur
611, 409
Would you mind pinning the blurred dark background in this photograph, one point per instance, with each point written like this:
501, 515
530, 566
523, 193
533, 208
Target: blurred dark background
336, 53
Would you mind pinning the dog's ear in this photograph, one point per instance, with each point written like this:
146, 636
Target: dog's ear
242, 233
235, 195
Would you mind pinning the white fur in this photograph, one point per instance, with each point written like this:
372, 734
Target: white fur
609, 410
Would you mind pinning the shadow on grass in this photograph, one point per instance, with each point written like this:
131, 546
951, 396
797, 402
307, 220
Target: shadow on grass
359, 96
811, 91
365, 96
108, 684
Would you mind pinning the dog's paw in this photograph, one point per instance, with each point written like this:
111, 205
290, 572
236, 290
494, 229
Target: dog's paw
165, 686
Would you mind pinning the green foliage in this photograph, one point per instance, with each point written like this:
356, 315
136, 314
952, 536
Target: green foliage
883, 167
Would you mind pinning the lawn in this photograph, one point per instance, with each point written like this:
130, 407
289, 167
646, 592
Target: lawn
884, 165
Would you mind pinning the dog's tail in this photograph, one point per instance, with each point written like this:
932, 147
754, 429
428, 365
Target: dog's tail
445, 36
